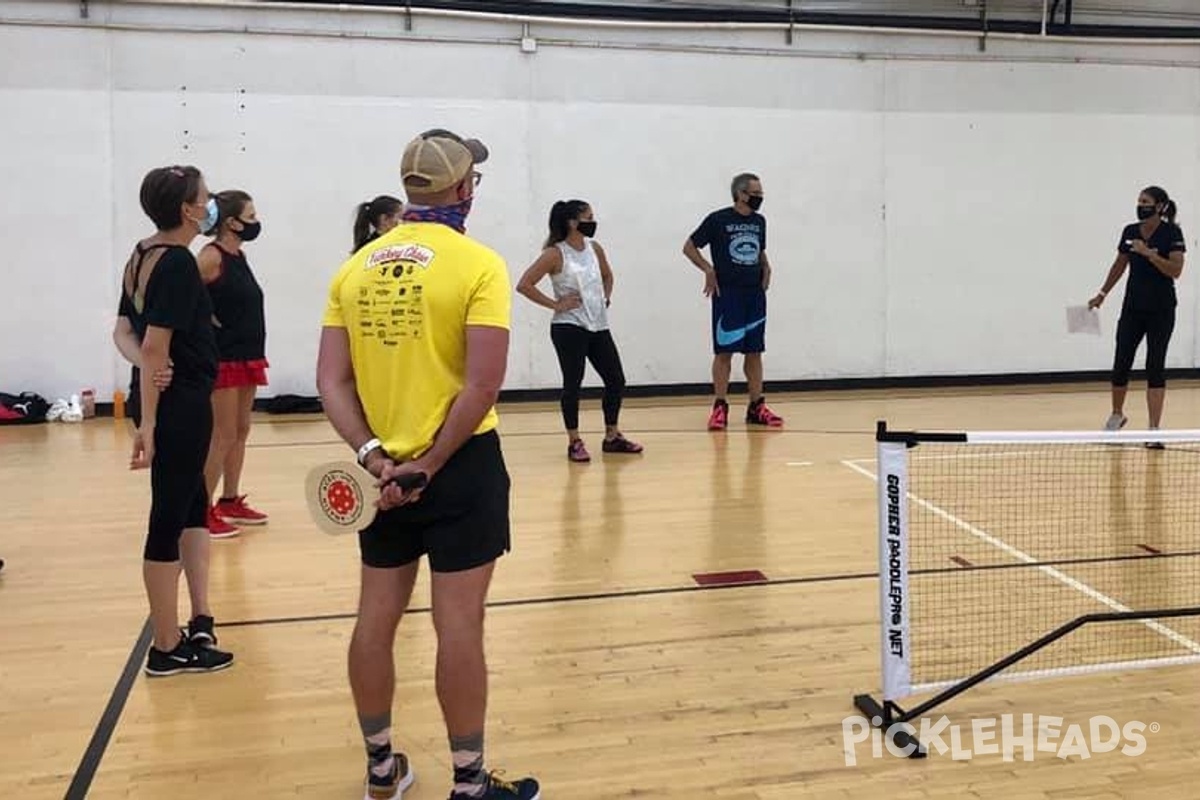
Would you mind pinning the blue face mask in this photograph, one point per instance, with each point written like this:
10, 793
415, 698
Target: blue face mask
210, 221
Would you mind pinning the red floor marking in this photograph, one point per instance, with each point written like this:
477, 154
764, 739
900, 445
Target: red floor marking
962, 562
1150, 549
722, 578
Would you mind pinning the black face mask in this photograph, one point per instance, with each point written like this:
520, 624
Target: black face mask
587, 227
754, 201
1145, 212
249, 231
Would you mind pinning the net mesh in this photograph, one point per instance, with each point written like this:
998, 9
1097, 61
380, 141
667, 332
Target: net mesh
1009, 541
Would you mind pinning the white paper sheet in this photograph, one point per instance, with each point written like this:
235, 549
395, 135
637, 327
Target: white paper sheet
1081, 319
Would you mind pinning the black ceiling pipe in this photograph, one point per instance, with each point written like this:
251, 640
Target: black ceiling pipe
782, 16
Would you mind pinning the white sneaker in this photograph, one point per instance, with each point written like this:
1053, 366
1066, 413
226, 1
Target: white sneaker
74, 412
1154, 444
1115, 422
57, 410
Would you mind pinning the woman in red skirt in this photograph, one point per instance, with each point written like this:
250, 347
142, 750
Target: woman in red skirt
239, 321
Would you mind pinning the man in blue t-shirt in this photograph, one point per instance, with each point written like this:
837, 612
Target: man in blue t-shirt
737, 282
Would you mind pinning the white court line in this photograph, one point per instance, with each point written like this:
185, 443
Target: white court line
1082, 588
799, 463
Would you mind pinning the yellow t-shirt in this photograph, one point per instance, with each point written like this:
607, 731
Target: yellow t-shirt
405, 300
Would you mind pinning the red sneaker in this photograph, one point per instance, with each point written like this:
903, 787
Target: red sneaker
719, 417
219, 528
759, 414
237, 511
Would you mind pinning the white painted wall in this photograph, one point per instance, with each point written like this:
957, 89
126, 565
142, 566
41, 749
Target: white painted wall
932, 209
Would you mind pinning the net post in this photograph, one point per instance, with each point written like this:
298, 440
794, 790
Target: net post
895, 632
891, 451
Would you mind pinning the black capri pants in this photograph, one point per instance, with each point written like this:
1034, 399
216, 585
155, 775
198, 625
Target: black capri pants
575, 347
1156, 328
178, 495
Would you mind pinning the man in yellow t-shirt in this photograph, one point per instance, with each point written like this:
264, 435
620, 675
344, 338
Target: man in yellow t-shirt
414, 347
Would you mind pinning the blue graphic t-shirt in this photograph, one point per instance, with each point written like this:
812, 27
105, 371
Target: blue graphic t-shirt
736, 245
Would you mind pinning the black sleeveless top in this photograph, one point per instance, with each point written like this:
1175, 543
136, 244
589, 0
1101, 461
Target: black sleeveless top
174, 298
240, 321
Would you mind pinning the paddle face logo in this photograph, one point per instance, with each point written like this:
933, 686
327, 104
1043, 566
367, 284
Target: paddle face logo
340, 498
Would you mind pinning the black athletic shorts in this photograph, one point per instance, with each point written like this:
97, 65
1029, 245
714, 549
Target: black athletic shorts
460, 521
739, 320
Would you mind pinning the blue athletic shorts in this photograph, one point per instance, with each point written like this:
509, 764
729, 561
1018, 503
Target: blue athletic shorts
739, 320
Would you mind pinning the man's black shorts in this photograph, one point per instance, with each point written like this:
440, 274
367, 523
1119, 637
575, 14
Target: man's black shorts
739, 320
460, 521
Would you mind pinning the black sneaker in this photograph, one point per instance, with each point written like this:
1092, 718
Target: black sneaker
619, 444
186, 657
498, 789
200, 632
391, 787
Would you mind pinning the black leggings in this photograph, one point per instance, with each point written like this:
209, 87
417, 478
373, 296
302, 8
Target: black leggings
575, 347
1156, 327
178, 496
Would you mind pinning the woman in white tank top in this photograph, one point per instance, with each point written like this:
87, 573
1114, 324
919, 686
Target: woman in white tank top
582, 282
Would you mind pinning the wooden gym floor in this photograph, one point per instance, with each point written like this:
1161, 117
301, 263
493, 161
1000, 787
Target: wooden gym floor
613, 673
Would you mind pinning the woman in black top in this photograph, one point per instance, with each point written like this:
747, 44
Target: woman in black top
1153, 248
164, 303
239, 320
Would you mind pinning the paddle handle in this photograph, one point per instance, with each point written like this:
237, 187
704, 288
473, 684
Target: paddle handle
410, 480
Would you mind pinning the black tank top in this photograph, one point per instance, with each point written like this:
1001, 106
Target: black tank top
240, 320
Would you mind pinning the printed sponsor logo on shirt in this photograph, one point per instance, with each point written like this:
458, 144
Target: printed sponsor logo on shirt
410, 253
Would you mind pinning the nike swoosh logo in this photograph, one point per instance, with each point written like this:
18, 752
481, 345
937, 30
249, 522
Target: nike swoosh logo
729, 337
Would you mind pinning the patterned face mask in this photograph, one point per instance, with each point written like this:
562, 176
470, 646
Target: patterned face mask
454, 216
